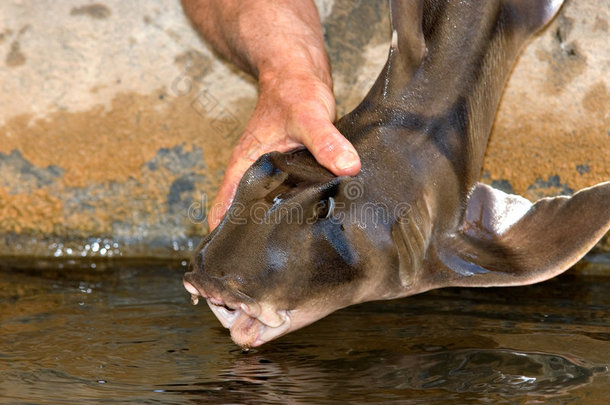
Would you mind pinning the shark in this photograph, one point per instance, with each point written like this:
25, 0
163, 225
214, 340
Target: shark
299, 243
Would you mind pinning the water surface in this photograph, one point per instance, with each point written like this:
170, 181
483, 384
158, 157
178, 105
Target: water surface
129, 334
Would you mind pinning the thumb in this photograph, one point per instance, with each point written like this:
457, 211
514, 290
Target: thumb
329, 147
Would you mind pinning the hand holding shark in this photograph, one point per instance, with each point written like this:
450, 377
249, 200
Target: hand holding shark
296, 105
299, 242
290, 112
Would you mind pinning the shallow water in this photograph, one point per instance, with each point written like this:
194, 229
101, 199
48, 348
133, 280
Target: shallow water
130, 335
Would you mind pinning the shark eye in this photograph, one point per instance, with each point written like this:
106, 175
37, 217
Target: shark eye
324, 208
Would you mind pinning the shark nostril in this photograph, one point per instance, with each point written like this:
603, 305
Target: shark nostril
195, 294
190, 288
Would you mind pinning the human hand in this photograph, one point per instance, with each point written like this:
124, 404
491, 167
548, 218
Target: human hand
290, 112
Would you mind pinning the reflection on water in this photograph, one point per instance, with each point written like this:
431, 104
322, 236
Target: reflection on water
130, 334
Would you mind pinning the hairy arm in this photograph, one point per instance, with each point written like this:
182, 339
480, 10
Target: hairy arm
280, 42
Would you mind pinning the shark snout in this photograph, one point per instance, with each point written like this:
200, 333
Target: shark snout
251, 324
231, 301
195, 294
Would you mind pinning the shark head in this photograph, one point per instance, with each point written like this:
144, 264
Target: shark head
293, 247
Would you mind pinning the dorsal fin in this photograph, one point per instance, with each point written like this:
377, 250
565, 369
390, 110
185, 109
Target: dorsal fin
535, 14
406, 51
408, 44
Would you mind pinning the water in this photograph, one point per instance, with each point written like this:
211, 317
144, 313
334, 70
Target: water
130, 335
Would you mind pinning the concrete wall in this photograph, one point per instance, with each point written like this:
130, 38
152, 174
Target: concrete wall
116, 120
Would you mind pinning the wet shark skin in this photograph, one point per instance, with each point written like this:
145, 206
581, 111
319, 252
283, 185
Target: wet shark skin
301, 241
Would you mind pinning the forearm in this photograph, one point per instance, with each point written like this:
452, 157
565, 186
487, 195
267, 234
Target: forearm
270, 39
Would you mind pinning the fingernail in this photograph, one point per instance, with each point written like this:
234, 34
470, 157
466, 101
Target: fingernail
345, 161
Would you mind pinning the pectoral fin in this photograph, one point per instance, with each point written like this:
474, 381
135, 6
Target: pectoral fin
505, 240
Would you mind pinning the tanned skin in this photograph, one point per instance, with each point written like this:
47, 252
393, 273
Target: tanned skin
280, 42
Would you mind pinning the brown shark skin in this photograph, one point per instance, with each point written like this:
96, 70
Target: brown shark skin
421, 133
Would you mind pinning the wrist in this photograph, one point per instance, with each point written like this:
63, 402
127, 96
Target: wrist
295, 63
294, 77
293, 90
293, 46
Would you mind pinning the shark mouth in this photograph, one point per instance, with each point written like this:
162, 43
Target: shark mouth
249, 326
